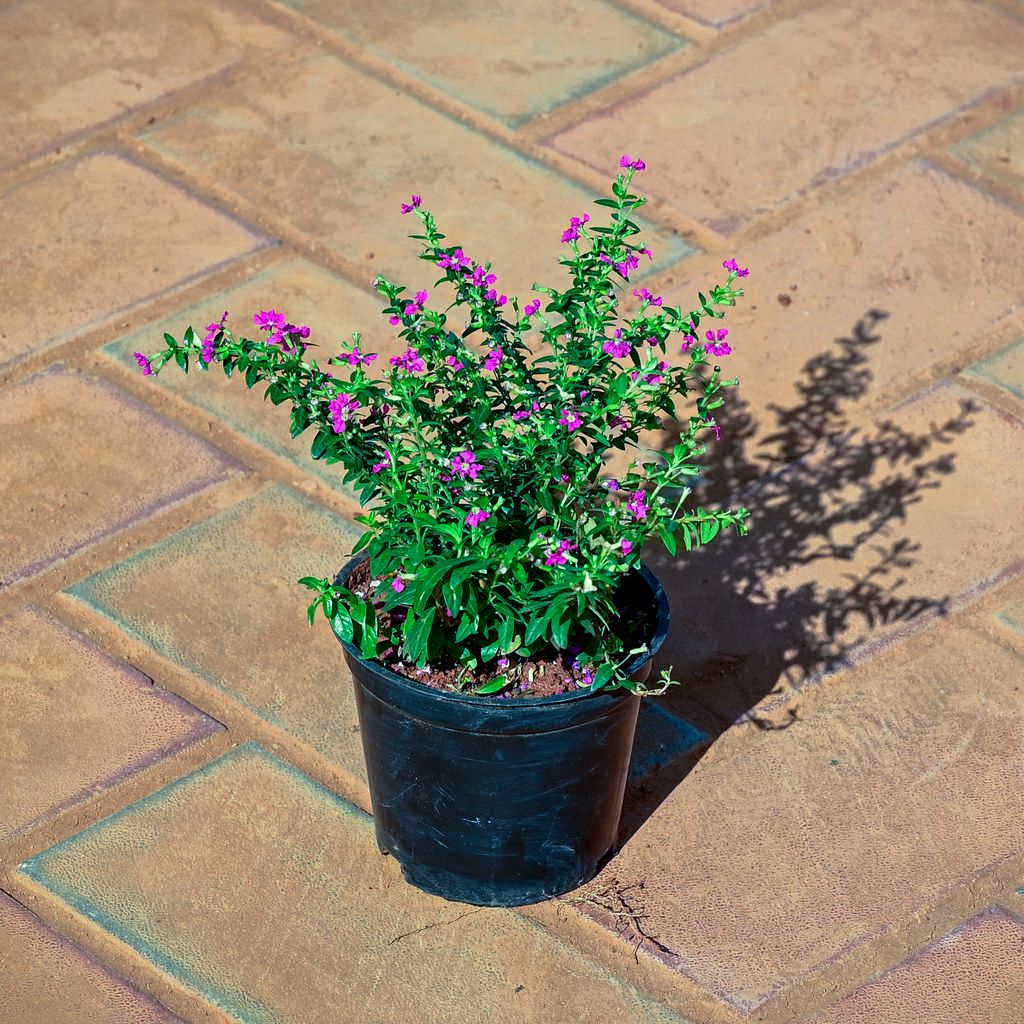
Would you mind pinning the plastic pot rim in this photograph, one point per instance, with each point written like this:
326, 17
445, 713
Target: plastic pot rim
655, 644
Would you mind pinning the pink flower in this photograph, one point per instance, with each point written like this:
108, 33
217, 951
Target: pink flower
144, 364
397, 585
646, 296
557, 557
342, 408
355, 357
627, 546
612, 484
476, 517
716, 429
411, 205
454, 260
479, 277
737, 270
570, 419
416, 306
465, 465
716, 346
492, 296
409, 360
531, 308
522, 414
565, 478
383, 464
573, 231
452, 361
494, 357
637, 165
269, 320
637, 505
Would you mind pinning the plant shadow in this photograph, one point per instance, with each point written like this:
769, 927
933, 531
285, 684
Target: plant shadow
822, 571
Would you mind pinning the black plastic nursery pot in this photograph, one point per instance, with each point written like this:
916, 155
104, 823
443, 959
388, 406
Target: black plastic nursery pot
498, 802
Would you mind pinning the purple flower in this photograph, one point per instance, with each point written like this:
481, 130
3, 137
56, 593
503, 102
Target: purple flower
492, 296
627, 546
637, 505
342, 408
396, 320
573, 231
737, 270
454, 260
476, 517
587, 678
531, 308
503, 663
416, 306
411, 205
637, 165
618, 421
397, 585
655, 378
355, 357
522, 414
612, 484
209, 349
716, 346
383, 464
565, 478
144, 364
479, 277
465, 465
557, 557
646, 296
646, 252
570, 419
494, 357
452, 361
269, 320
604, 258
409, 360
617, 348
716, 429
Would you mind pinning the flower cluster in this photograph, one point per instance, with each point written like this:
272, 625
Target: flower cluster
492, 534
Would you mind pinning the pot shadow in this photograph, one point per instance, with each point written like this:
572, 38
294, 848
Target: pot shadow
821, 571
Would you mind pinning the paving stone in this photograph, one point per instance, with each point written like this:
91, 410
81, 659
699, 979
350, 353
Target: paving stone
716, 13
248, 863
510, 61
876, 533
44, 979
998, 150
81, 460
783, 850
221, 598
975, 973
1005, 369
76, 721
912, 65
661, 737
1013, 616
310, 295
55, 92
885, 247
281, 145
150, 235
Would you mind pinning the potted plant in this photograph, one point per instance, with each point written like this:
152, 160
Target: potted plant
496, 618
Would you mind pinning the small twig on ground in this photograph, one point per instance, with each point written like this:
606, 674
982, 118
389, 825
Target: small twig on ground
613, 901
434, 924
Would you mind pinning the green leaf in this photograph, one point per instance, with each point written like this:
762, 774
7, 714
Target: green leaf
181, 358
342, 623
496, 684
252, 375
708, 530
416, 638
320, 443
665, 532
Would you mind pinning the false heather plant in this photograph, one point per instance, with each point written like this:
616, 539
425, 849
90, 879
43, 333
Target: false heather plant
487, 517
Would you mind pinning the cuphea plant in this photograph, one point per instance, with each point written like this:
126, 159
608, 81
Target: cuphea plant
488, 521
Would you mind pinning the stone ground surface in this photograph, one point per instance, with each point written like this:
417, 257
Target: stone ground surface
823, 824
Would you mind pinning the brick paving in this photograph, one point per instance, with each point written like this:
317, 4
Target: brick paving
823, 826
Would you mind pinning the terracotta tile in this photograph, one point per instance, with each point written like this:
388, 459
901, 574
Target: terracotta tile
510, 61
333, 308
879, 532
95, 237
82, 460
998, 150
221, 598
44, 979
883, 249
1005, 369
716, 13
976, 972
248, 863
784, 850
334, 152
881, 74
56, 90
77, 721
